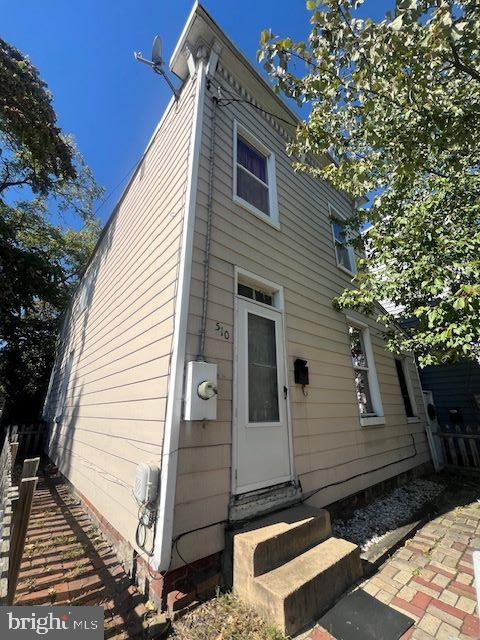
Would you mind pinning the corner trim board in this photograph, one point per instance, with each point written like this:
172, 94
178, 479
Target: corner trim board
164, 529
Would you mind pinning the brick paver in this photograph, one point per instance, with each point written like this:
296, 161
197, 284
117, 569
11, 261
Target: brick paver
66, 561
430, 578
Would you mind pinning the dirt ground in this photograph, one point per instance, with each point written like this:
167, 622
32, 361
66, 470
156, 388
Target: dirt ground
224, 618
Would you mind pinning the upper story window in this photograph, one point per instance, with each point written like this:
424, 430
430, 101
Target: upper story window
366, 383
85, 293
254, 185
252, 176
344, 253
405, 387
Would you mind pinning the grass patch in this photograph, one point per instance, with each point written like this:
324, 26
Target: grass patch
30, 584
61, 540
76, 571
72, 553
224, 618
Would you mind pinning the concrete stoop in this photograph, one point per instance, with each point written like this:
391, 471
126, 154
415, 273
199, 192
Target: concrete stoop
290, 568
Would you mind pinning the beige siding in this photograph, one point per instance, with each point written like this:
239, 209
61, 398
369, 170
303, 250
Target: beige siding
329, 444
116, 396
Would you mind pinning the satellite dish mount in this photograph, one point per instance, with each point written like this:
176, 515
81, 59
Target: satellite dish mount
156, 63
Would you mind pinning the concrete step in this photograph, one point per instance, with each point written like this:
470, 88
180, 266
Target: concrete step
298, 592
272, 541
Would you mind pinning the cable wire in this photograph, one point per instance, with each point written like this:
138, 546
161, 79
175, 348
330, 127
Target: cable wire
363, 473
233, 98
302, 500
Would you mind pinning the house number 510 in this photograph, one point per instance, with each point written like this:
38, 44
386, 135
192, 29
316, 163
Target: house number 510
225, 333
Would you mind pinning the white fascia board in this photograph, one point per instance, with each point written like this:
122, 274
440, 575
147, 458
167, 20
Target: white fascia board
164, 527
183, 36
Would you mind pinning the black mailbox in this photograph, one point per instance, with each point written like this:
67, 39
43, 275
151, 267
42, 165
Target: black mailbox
300, 371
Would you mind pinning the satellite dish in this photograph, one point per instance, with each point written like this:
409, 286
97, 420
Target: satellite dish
156, 63
157, 51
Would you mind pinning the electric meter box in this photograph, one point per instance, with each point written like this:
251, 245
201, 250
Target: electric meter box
145, 488
200, 391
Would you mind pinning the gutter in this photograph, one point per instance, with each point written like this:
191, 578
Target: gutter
164, 528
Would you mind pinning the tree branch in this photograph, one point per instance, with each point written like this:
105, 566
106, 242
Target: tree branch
15, 183
459, 64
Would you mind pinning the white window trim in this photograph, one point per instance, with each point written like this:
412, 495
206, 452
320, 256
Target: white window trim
85, 290
379, 417
373, 421
64, 384
338, 215
271, 219
411, 392
248, 278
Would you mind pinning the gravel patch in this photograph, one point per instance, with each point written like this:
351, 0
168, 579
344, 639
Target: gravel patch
368, 525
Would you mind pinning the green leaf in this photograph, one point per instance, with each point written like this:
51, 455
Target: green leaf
396, 24
402, 123
265, 36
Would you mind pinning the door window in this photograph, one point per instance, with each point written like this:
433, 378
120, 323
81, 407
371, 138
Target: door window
262, 370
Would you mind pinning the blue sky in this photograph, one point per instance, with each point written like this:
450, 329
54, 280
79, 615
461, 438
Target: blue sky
110, 103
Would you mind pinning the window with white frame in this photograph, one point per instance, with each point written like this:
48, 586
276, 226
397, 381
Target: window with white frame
366, 383
344, 252
254, 175
62, 392
405, 387
85, 293
255, 293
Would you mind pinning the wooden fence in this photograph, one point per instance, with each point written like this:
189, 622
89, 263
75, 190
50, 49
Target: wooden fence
460, 450
15, 508
29, 437
5, 516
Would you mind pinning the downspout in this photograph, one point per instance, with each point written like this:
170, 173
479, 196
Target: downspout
164, 527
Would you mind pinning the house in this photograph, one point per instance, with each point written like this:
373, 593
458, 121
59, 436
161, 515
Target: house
452, 388
455, 390
203, 342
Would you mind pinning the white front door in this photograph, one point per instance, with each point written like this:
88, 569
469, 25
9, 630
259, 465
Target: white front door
262, 441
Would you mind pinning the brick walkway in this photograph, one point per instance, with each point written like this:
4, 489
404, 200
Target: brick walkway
66, 561
431, 578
